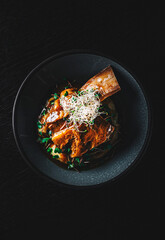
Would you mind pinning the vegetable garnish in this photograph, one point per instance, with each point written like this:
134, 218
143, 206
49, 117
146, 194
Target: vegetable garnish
66, 93
52, 102
57, 150
70, 165
49, 149
56, 96
43, 112
45, 140
55, 156
97, 95
77, 159
68, 150
39, 125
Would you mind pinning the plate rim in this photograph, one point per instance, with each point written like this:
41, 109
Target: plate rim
147, 137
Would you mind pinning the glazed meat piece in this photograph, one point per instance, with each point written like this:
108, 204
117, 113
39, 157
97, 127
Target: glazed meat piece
62, 137
104, 82
57, 112
82, 141
100, 132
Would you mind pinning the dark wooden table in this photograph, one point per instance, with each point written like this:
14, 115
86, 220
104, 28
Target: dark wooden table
131, 208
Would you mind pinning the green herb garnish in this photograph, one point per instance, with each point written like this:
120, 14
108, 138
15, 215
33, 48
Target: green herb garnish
52, 102
70, 165
79, 93
55, 96
66, 93
57, 150
77, 159
68, 150
91, 122
43, 112
39, 124
97, 95
49, 149
55, 156
74, 99
45, 140
66, 87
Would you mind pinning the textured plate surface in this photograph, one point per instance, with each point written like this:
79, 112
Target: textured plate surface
130, 101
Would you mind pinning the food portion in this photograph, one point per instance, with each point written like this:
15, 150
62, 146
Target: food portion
78, 126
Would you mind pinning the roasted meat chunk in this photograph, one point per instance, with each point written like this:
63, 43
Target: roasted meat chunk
83, 140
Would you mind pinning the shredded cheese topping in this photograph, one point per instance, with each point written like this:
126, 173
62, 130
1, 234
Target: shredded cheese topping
83, 107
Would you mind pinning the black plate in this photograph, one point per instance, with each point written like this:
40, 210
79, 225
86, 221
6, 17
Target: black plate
131, 103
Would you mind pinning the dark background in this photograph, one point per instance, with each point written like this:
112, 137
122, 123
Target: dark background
132, 33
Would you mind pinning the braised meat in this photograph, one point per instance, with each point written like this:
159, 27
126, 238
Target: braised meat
87, 135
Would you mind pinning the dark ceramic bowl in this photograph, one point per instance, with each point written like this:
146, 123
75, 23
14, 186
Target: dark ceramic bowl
80, 66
